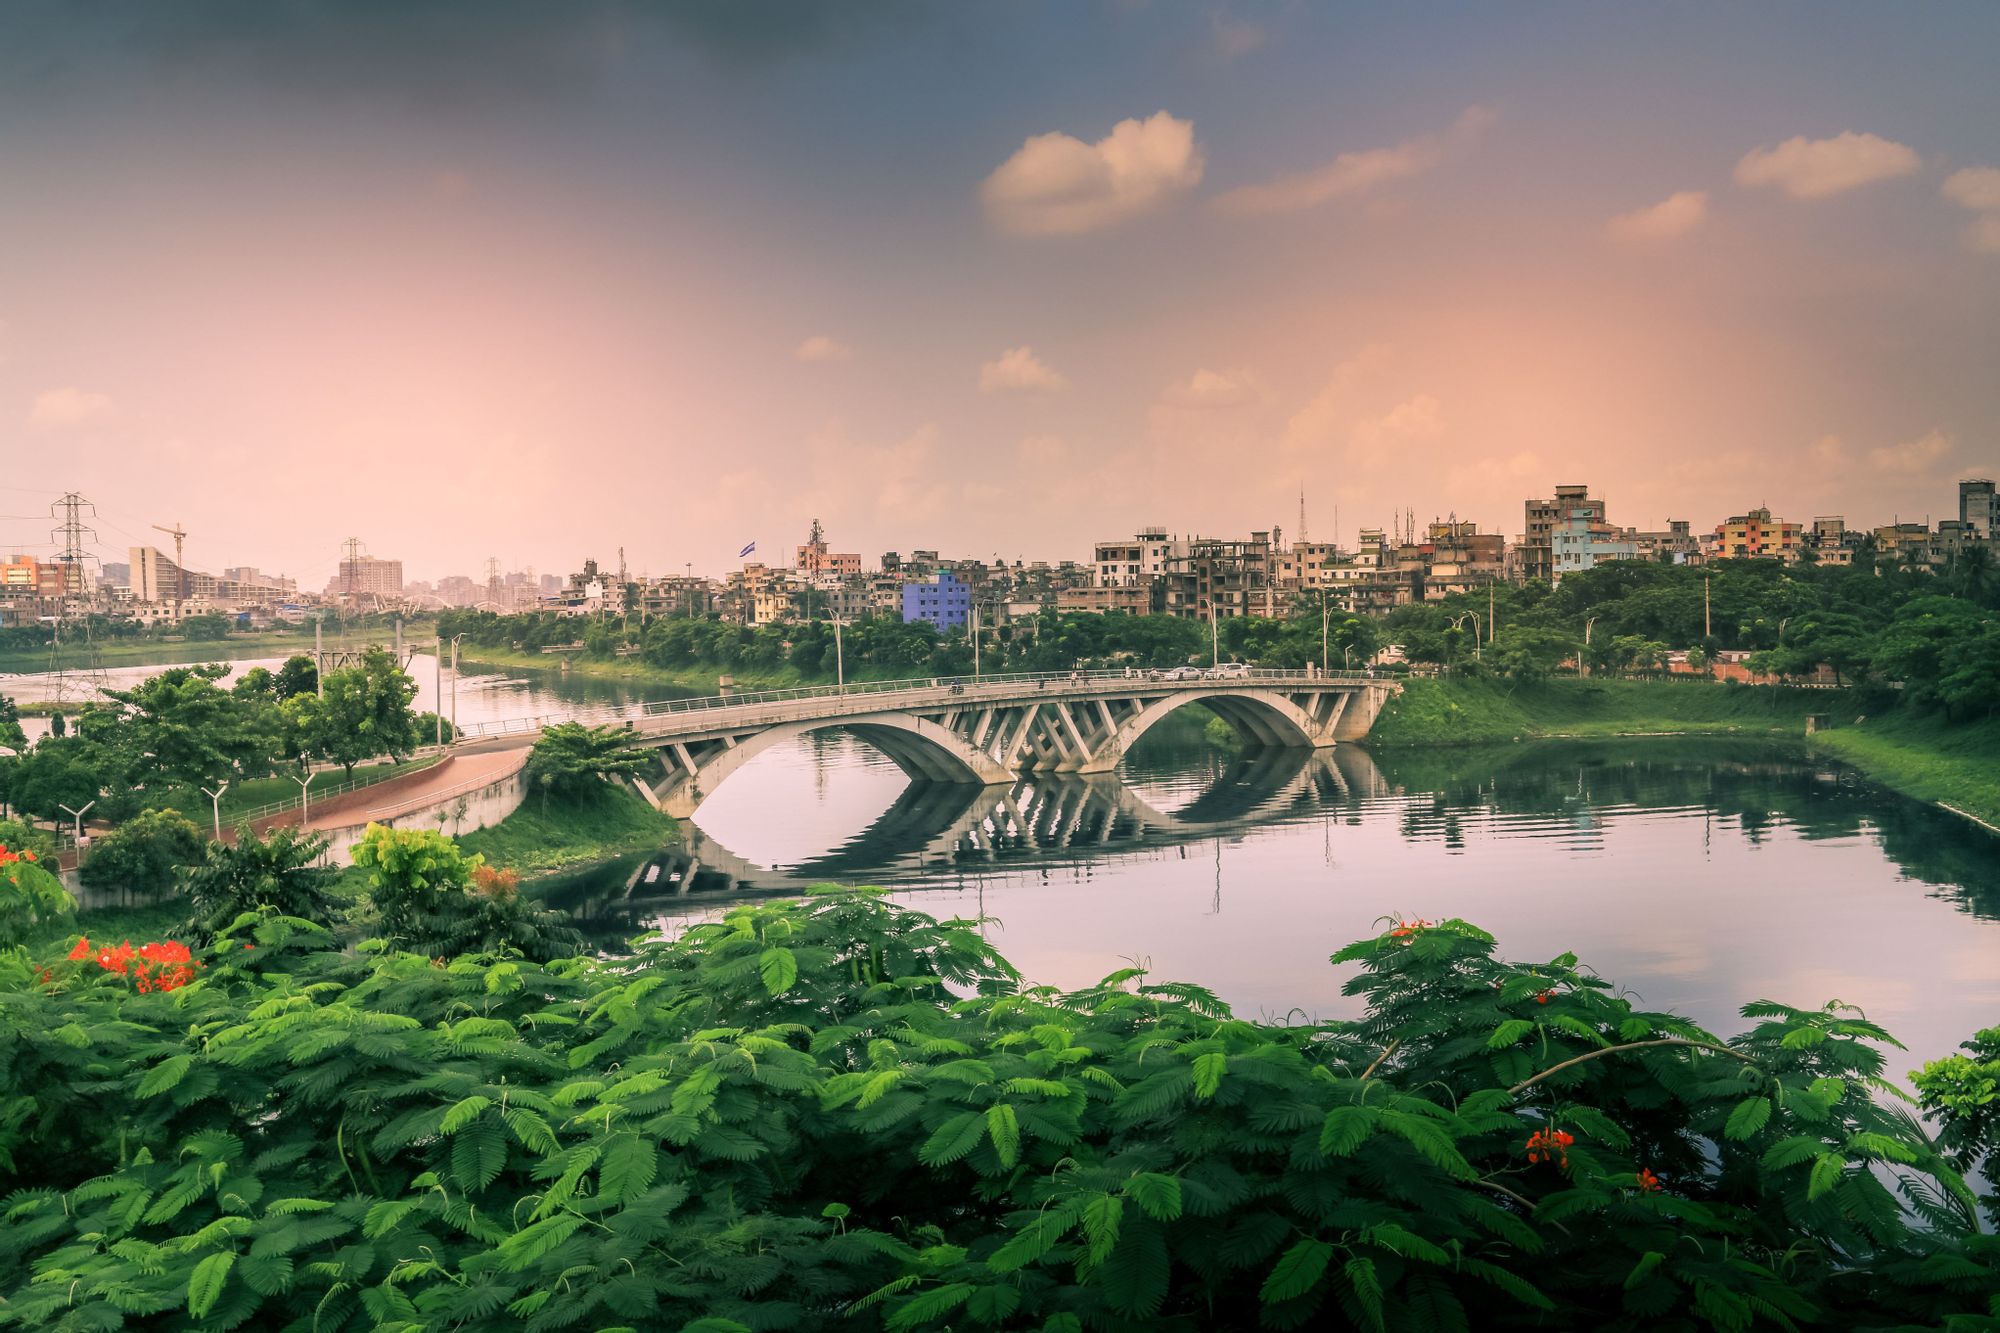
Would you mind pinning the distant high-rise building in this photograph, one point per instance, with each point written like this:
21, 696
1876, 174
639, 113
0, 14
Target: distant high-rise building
367, 575
1976, 507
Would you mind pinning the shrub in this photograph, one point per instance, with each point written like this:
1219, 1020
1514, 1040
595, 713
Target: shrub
844, 1114
432, 898
145, 854
279, 870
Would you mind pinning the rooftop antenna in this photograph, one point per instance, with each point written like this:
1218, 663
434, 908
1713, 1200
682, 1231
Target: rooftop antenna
1302, 512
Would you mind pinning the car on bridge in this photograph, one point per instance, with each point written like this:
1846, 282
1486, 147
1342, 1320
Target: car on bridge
1180, 673
1229, 671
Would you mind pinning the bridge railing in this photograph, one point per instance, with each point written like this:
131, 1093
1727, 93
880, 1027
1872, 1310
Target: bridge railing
920, 687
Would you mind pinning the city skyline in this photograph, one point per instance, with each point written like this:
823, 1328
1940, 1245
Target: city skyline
551, 282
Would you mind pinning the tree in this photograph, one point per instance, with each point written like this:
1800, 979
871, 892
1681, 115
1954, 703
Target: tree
144, 855
432, 898
571, 758
205, 627
279, 871
362, 713
299, 675
52, 776
11, 735
181, 727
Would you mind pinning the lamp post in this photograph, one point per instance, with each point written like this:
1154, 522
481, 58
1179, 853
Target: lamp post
1324, 663
304, 809
215, 800
839, 662
1458, 622
454, 687
1584, 662
77, 815
437, 675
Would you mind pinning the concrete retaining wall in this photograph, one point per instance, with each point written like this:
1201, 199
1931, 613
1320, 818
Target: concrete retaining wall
453, 816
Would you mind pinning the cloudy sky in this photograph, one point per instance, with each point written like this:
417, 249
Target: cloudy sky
533, 280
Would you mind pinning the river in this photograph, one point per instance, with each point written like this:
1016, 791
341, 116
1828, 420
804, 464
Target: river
1700, 875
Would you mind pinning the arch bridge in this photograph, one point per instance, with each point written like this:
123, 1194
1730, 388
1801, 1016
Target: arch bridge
985, 730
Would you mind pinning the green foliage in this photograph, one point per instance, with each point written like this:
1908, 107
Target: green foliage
893, 1131
362, 712
569, 758
1963, 1093
144, 855
599, 822
429, 896
53, 775
31, 899
278, 871
19, 837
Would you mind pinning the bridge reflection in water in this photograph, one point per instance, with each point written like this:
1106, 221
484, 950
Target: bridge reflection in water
1042, 821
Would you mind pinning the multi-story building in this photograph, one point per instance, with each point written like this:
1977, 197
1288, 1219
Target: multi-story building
1756, 536
814, 559
1134, 561
1458, 558
940, 600
1535, 551
1583, 540
368, 576
1216, 578
1674, 544
1977, 507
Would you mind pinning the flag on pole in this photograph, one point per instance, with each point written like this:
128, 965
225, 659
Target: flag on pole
746, 550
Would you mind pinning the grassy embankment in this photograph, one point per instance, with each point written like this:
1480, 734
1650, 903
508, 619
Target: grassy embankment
160, 652
1470, 712
1920, 755
1956, 764
560, 836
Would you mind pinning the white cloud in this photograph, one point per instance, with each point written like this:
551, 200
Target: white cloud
1019, 369
1828, 451
1977, 188
1676, 215
1983, 234
820, 347
1357, 172
1212, 389
1058, 185
56, 408
1814, 168
1911, 456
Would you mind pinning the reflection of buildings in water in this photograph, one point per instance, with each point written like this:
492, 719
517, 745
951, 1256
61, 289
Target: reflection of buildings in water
1042, 819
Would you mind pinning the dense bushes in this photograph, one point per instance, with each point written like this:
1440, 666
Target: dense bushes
845, 1114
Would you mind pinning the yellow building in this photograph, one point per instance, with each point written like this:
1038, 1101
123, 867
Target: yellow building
1756, 536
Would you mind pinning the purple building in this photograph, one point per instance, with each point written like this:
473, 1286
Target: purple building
943, 601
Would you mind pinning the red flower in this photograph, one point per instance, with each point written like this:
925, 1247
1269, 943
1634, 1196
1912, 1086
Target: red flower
82, 949
29, 856
1543, 997
1648, 1182
1552, 1144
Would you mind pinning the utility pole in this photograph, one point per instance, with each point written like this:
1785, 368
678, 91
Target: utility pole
1707, 628
839, 663
71, 534
493, 580
179, 535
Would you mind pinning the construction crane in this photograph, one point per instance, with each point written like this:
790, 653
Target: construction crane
179, 534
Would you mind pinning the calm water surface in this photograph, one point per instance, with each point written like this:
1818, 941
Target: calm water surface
1699, 875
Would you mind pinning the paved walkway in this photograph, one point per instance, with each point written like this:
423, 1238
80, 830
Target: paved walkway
458, 772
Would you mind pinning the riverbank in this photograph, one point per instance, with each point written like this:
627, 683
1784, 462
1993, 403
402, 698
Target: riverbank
1951, 764
1486, 710
160, 652
559, 836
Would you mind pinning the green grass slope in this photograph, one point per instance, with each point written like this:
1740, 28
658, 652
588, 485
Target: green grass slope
1483, 710
1922, 755
549, 837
